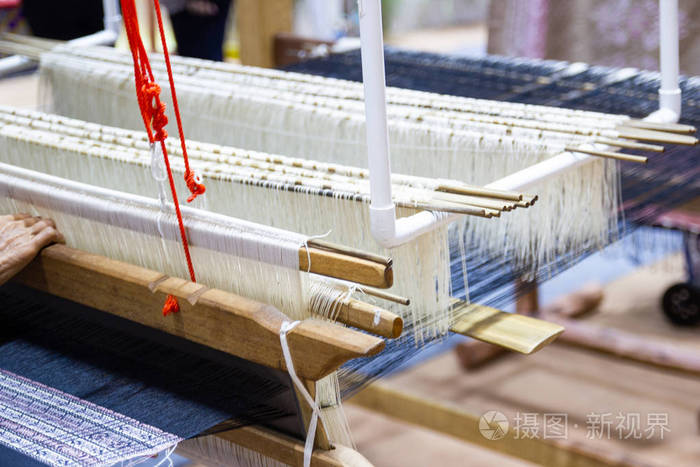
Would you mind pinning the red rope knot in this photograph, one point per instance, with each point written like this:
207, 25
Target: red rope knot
155, 110
194, 183
171, 306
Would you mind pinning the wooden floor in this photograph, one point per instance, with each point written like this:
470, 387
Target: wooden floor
592, 389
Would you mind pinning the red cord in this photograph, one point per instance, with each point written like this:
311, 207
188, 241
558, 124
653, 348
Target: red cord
195, 188
154, 118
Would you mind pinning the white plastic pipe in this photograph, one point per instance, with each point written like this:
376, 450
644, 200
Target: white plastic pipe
112, 16
112, 24
390, 232
382, 209
669, 92
15, 64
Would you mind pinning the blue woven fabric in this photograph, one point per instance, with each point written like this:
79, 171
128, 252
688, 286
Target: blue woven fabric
163, 381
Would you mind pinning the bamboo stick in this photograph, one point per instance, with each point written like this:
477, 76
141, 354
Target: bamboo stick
655, 136
488, 203
326, 245
479, 191
386, 296
609, 155
629, 144
15, 48
668, 127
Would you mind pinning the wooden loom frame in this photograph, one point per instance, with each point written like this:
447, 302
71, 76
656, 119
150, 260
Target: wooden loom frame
217, 319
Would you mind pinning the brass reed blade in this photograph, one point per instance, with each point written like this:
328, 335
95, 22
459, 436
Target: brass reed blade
512, 331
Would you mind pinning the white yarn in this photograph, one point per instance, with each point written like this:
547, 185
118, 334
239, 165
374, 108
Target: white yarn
421, 268
433, 142
300, 83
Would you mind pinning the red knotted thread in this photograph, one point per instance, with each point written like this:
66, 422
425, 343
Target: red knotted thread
154, 118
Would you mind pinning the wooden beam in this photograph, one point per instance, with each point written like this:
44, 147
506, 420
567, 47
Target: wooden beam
281, 448
454, 421
218, 319
258, 22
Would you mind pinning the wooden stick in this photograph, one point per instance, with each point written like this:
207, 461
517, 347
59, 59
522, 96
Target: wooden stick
454, 208
456, 421
41, 43
668, 127
279, 447
370, 318
15, 48
489, 203
346, 267
626, 345
479, 191
218, 319
630, 144
510, 330
386, 296
326, 245
321, 440
609, 155
655, 136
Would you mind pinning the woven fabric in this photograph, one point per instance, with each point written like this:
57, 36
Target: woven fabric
58, 429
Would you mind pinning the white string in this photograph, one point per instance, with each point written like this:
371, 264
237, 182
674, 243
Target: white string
311, 433
305, 244
158, 171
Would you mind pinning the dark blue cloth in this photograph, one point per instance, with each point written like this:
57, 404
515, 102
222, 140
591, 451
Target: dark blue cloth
167, 382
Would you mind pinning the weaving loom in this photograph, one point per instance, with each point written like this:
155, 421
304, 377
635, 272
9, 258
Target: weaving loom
104, 156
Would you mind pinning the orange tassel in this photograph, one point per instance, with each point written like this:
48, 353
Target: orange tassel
171, 306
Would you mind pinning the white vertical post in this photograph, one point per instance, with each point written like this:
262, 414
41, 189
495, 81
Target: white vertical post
112, 16
382, 210
669, 93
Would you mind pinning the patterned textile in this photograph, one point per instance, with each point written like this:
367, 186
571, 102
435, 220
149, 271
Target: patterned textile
58, 429
143, 374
